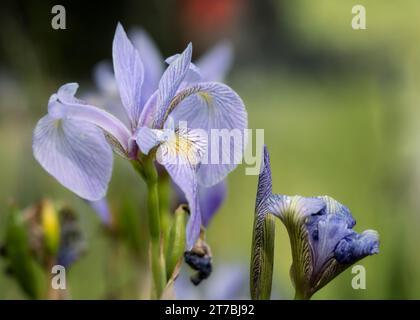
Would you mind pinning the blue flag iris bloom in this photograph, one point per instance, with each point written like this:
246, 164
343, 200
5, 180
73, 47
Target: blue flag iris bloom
75, 140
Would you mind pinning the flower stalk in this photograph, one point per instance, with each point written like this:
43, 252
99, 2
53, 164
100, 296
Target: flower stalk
148, 171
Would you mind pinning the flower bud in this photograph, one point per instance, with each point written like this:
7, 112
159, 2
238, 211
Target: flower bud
262, 255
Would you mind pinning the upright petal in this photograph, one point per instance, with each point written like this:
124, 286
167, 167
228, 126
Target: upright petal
108, 96
75, 153
149, 111
128, 69
217, 109
215, 64
152, 61
170, 83
104, 78
193, 75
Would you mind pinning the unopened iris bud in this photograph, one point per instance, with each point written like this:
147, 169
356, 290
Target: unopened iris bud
262, 255
176, 241
322, 240
321, 234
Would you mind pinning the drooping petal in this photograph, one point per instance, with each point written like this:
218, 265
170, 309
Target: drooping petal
75, 153
64, 105
128, 69
181, 155
170, 83
152, 61
357, 246
211, 200
215, 64
329, 231
101, 208
217, 109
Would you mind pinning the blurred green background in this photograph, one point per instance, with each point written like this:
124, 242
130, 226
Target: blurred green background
340, 110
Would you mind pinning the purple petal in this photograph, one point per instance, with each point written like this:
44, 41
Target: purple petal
149, 111
170, 83
128, 69
193, 75
75, 153
300, 207
104, 78
331, 235
215, 64
102, 210
332, 206
147, 138
357, 246
152, 61
108, 96
181, 156
64, 105
211, 200
217, 109
330, 230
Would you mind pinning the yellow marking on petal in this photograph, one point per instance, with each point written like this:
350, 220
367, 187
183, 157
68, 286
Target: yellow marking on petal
206, 97
183, 148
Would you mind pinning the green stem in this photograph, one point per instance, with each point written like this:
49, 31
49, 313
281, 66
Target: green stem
149, 173
299, 295
164, 189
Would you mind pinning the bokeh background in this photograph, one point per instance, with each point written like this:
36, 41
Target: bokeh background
340, 110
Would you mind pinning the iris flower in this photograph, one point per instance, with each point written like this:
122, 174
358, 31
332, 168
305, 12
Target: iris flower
322, 238
212, 66
75, 140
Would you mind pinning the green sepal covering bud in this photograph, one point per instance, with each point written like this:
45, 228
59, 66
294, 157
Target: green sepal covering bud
262, 257
176, 241
262, 252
